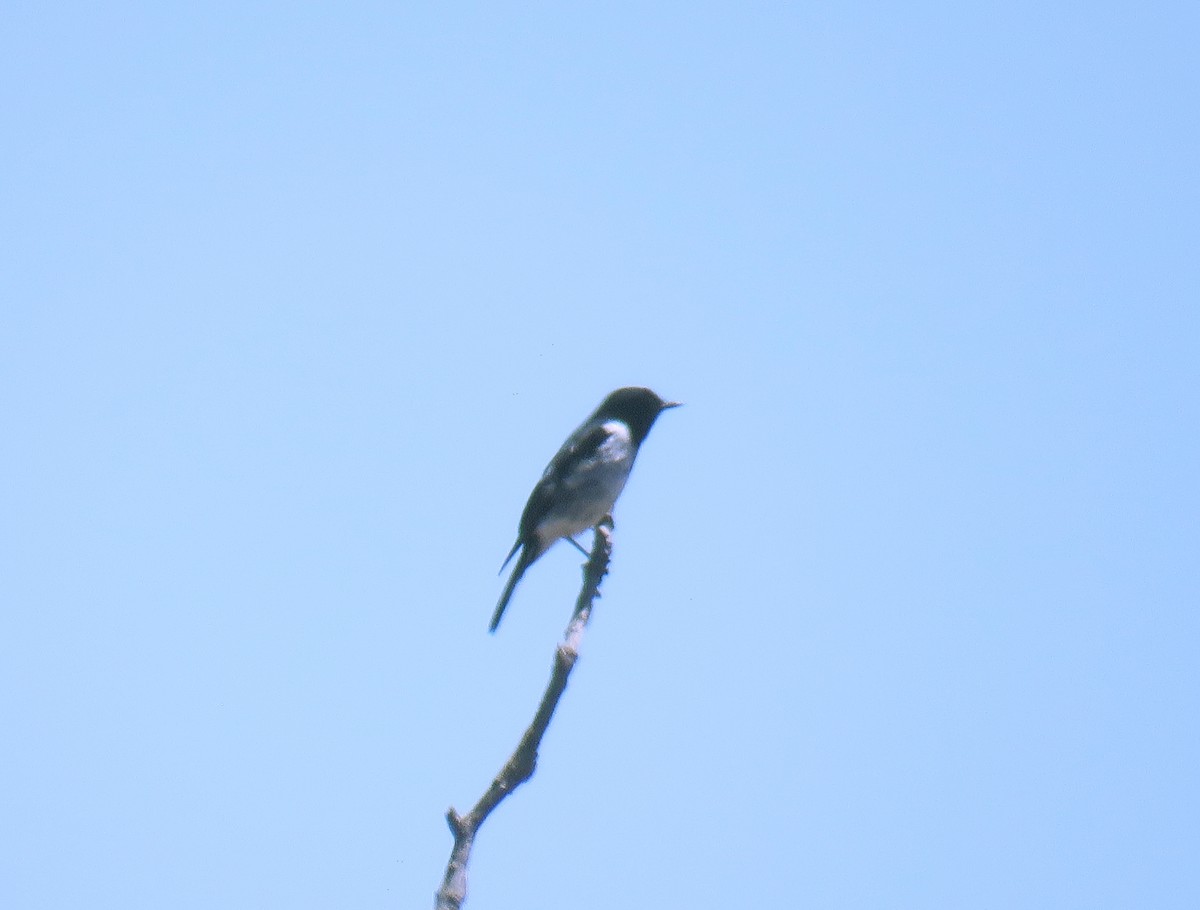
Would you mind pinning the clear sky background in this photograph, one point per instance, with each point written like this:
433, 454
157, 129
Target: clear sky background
298, 300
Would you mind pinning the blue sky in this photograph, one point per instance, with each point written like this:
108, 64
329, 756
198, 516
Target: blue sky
296, 302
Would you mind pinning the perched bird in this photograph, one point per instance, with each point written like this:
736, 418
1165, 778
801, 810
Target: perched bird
583, 480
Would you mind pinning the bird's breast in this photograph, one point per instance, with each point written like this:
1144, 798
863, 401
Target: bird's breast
587, 492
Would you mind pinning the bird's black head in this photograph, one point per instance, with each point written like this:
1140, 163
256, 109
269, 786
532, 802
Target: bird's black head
637, 407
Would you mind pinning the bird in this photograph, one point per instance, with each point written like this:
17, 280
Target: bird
583, 480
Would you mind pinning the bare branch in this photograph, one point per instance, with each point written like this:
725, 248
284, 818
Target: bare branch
522, 763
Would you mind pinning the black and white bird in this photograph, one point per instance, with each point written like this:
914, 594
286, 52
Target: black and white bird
583, 480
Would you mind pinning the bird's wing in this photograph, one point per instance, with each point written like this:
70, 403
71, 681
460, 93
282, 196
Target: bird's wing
580, 446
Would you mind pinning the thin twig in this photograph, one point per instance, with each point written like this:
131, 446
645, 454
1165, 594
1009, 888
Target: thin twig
522, 763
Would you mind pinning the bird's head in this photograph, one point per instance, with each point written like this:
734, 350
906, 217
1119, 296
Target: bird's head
635, 406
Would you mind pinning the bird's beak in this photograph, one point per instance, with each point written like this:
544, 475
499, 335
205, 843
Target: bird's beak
671, 404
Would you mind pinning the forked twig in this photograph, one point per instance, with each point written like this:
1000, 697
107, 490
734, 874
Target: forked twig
522, 763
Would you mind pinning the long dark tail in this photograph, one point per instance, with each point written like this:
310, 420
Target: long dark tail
524, 561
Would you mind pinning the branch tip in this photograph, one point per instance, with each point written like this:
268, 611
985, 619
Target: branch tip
522, 764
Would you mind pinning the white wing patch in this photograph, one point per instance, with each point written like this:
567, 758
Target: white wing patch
618, 443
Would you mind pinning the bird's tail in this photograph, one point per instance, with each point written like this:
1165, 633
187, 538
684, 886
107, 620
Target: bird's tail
523, 563
508, 558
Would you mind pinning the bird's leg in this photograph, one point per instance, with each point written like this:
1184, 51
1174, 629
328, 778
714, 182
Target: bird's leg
606, 520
